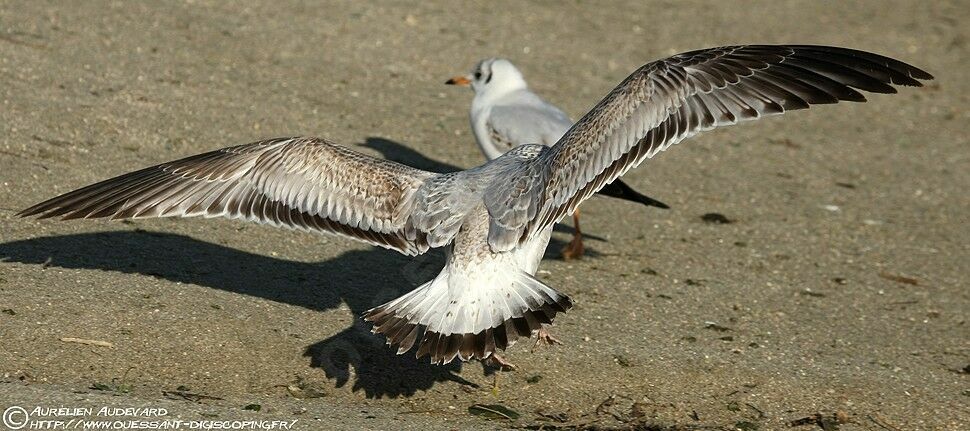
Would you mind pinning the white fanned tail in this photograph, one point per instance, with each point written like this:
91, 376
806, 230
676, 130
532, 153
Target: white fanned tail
456, 316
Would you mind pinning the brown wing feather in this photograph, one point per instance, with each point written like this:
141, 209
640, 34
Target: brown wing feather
669, 100
303, 183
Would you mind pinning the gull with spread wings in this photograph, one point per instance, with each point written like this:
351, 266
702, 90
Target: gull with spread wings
495, 220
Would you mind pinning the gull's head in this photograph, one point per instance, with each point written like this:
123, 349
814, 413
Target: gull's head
492, 77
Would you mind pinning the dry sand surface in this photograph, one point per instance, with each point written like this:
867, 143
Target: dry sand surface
840, 288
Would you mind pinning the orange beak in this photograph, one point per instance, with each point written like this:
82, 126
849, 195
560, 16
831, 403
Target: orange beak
458, 80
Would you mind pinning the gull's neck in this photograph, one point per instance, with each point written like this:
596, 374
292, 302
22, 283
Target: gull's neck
498, 89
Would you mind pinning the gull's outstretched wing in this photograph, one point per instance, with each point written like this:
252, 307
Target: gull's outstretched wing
667, 101
302, 183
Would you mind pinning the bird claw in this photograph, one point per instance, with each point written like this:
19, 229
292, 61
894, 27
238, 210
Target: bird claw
499, 362
544, 335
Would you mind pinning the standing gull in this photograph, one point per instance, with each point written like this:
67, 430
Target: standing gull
506, 114
495, 220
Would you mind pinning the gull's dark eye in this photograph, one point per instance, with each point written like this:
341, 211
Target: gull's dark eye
478, 75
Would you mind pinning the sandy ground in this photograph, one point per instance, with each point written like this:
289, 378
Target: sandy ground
840, 288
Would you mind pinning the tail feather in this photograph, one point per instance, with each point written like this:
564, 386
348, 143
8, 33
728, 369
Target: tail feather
449, 321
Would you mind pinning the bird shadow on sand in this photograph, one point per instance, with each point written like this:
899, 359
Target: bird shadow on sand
358, 278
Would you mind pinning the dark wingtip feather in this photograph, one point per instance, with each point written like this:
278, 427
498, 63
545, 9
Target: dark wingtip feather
908, 75
922, 75
41, 210
27, 212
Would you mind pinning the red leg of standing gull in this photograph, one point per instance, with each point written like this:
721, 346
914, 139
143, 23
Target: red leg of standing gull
574, 250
